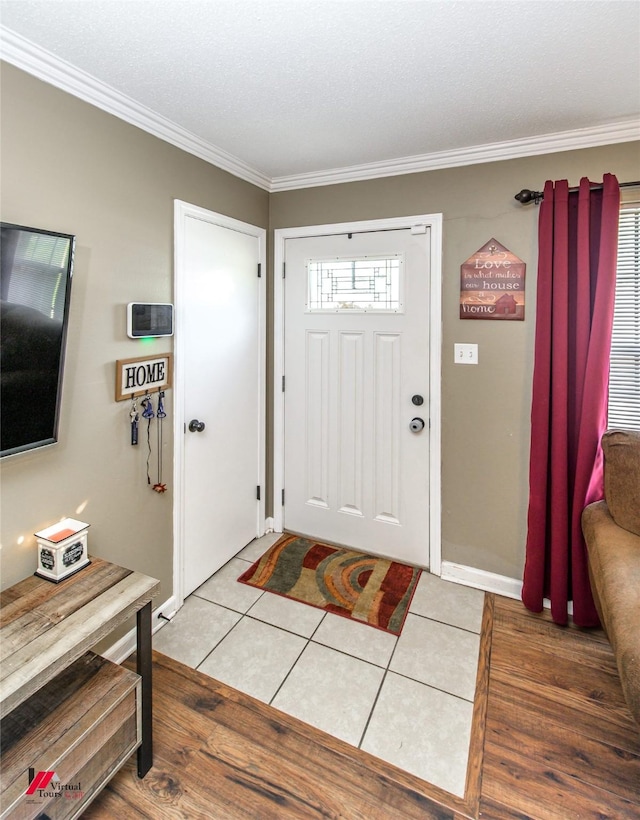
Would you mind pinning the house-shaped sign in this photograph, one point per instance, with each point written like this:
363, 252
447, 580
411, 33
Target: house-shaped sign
492, 284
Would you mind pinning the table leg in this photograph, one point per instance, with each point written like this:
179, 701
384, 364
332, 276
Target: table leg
143, 661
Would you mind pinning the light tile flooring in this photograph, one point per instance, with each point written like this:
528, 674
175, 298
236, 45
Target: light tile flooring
407, 700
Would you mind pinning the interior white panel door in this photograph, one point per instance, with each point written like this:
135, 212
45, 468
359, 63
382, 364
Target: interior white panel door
220, 335
355, 473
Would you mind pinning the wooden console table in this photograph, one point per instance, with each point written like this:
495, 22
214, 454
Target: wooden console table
47, 628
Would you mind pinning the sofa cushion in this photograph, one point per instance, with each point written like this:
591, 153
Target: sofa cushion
621, 450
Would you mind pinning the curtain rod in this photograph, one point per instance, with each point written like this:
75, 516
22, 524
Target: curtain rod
525, 196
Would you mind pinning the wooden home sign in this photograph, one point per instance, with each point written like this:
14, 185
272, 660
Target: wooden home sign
142, 375
492, 284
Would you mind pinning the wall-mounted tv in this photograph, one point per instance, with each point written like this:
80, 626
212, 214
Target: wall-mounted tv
35, 287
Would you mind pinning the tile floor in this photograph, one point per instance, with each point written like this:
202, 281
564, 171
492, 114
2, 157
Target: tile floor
407, 700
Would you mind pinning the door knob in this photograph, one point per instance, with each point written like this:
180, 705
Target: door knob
416, 425
196, 426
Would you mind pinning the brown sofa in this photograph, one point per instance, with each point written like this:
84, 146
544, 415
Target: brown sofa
612, 532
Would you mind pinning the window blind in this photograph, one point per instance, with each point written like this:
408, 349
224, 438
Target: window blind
624, 376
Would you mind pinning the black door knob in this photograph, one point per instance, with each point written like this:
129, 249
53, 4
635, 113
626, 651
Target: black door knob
196, 426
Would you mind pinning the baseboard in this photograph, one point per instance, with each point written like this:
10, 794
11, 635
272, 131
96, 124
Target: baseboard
546, 603
268, 524
481, 579
122, 648
489, 582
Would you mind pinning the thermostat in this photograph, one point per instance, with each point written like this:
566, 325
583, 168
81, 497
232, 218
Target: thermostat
146, 319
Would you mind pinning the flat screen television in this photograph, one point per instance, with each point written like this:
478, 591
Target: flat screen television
35, 287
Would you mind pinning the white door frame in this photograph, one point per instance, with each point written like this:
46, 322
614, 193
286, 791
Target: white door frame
434, 222
183, 210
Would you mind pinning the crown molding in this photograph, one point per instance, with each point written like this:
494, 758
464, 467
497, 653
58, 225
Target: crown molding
624, 131
41, 63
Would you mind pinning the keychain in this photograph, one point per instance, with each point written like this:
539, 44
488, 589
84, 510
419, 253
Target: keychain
148, 414
161, 414
159, 487
134, 422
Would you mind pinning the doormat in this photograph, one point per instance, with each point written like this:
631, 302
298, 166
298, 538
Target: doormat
365, 588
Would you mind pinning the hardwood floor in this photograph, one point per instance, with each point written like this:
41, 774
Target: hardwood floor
559, 740
552, 740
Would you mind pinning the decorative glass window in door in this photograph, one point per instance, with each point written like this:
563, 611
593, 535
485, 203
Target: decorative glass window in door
355, 284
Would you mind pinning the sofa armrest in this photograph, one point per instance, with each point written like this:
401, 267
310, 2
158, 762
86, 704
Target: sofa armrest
614, 565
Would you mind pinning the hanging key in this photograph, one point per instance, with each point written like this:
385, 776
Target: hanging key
134, 423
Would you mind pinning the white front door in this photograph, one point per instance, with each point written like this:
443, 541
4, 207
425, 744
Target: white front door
356, 365
220, 360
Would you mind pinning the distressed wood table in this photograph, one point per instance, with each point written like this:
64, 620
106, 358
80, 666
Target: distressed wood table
46, 632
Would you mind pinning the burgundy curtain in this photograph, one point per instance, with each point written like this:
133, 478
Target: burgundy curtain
578, 233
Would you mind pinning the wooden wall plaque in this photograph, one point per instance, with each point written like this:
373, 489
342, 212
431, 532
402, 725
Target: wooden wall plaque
492, 284
142, 375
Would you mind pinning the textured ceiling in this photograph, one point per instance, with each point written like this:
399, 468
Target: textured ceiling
304, 86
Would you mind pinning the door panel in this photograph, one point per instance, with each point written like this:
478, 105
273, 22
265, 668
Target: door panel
354, 472
350, 490
222, 374
387, 421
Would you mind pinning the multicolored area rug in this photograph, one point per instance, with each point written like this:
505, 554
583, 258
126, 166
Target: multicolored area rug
375, 591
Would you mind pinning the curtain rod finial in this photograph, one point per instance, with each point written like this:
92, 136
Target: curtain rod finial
525, 196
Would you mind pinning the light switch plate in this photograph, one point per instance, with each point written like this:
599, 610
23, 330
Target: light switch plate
465, 354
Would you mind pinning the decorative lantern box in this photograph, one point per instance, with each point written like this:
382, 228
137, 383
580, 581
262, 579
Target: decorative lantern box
62, 549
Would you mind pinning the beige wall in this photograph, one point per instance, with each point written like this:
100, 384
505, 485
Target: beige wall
485, 409
68, 166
